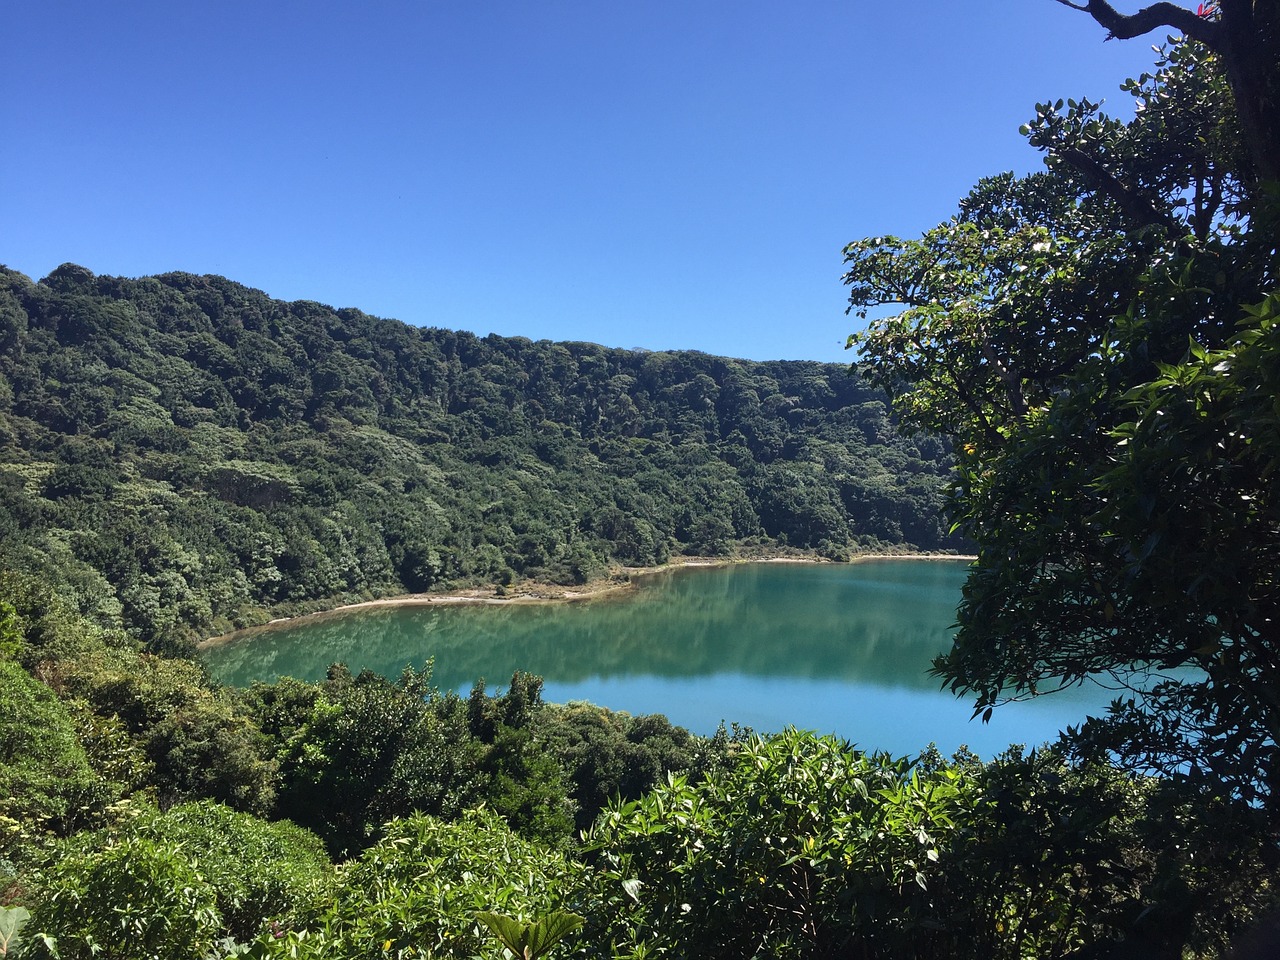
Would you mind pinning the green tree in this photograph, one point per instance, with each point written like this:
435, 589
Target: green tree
46, 782
611, 756
372, 749
1099, 339
522, 780
200, 742
1245, 35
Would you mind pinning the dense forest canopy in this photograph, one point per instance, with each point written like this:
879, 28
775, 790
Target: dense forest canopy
182, 454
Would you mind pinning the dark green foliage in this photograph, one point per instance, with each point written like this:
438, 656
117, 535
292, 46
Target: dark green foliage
181, 454
1103, 351
612, 756
198, 742
524, 782
372, 749
527, 787
1100, 341
142, 723
354, 752
38, 625
1060, 856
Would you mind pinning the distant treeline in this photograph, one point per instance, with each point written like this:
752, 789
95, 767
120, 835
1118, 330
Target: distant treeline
181, 454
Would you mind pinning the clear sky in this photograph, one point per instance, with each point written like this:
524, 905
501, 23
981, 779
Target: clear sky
668, 174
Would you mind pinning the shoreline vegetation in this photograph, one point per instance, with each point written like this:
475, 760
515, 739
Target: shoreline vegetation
618, 582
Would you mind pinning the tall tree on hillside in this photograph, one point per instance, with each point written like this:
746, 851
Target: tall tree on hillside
1101, 340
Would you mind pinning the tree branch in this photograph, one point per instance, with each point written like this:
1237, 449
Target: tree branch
1127, 26
1140, 208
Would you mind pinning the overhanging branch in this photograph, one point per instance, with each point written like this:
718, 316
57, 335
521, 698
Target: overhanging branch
1245, 34
1127, 26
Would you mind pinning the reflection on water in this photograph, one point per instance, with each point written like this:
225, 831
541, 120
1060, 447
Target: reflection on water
837, 648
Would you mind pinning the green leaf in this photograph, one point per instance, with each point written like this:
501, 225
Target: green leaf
529, 941
11, 921
508, 930
550, 930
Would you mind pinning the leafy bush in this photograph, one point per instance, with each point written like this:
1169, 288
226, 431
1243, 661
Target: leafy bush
259, 871
253, 870
200, 741
610, 755
417, 893
805, 848
138, 899
372, 749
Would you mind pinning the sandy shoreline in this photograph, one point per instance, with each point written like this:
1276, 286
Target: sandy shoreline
620, 582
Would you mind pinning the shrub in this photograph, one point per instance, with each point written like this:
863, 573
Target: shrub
804, 848
417, 892
260, 871
139, 899
46, 784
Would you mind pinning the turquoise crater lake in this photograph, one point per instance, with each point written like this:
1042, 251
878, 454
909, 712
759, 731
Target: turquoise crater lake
835, 648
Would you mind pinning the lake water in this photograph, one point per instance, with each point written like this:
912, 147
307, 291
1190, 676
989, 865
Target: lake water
836, 648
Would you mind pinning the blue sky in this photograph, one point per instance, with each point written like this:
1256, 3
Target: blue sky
667, 174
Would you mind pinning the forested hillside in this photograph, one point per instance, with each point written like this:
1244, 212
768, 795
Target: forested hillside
182, 454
